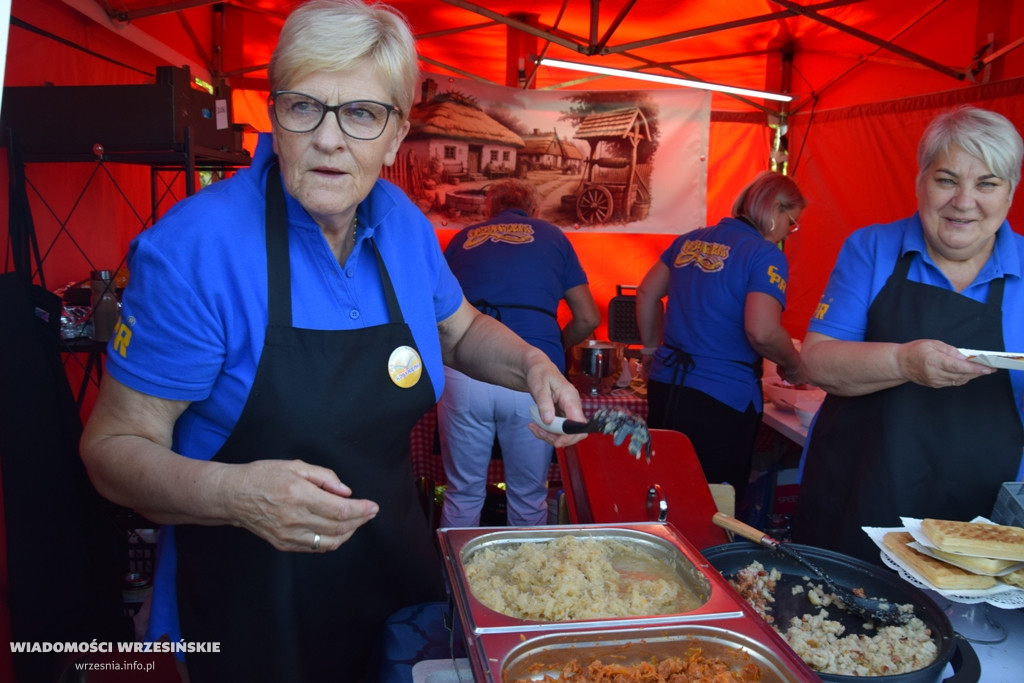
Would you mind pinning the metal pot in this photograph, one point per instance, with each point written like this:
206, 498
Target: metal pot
597, 359
852, 573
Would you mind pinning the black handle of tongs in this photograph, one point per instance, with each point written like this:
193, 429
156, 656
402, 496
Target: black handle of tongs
561, 425
574, 427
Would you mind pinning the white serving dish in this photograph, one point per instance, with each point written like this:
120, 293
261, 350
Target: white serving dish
995, 359
786, 395
806, 408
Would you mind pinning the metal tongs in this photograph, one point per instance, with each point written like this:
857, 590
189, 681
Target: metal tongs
619, 423
874, 609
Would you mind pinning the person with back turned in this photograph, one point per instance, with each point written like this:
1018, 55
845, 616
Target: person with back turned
726, 289
517, 268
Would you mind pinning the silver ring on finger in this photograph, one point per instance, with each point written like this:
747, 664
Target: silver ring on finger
316, 541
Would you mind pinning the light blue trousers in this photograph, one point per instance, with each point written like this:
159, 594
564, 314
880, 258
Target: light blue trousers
469, 416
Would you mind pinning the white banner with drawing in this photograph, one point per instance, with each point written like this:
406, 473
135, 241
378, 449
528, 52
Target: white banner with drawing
603, 161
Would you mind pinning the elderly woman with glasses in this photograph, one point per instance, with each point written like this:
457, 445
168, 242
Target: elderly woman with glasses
282, 332
726, 288
911, 426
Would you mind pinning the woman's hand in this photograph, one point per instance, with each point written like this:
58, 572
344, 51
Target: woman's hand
289, 502
856, 368
793, 374
935, 364
553, 393
126, 448
646, 360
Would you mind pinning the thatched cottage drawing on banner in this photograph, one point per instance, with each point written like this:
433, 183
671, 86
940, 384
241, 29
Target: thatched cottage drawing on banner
456, 140
545, 150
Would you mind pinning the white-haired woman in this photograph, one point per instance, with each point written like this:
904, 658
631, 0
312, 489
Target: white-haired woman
282, 332
911, 427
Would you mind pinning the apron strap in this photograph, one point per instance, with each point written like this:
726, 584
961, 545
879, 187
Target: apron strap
494, 310
994, 300
394, 309
279, 282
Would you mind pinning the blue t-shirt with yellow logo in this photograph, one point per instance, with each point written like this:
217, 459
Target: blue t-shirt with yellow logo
711, 271
522, 267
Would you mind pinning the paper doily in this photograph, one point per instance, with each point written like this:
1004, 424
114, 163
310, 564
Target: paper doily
1002, 595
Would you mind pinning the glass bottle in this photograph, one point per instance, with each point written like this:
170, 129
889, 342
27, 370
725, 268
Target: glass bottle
105, 308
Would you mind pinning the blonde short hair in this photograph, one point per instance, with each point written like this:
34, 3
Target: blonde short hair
335, 35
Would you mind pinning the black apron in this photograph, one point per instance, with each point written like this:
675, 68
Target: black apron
912, 451
324, 397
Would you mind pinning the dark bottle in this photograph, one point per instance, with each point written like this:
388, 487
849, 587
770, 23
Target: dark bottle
105, 307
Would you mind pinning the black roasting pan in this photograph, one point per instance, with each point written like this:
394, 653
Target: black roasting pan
877, 581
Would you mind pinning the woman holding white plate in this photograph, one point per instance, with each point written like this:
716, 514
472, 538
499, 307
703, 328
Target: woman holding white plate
911, 426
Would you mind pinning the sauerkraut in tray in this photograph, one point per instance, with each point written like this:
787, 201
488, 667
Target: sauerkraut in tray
576, 578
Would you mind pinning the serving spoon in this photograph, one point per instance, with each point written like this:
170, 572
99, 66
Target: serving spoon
618, 423
874, 609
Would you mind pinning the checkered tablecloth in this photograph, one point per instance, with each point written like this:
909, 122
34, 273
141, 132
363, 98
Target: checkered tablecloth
425, 448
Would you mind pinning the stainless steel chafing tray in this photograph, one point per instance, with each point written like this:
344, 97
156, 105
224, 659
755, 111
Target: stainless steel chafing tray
491, 636
659, 541
550, 654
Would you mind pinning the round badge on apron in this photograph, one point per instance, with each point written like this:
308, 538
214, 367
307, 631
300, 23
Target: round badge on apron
405, 367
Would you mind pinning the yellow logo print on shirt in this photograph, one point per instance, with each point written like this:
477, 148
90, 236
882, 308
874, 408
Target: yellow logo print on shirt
122, 337
708, 256
510, 233
775, 279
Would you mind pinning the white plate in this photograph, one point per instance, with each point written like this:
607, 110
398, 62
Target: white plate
995, 359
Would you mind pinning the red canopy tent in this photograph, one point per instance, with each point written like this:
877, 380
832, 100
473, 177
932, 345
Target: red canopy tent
865, 75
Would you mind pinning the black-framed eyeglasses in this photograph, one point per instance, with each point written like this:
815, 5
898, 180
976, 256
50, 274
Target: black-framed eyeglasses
298, 112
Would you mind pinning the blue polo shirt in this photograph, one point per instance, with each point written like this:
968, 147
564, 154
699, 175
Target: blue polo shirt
711, 271
513, 261
868, 257
195, 311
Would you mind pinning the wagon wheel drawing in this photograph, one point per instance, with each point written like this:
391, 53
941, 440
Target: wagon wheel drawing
595, 204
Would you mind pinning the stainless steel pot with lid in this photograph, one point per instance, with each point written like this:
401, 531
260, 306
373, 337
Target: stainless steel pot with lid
596, 359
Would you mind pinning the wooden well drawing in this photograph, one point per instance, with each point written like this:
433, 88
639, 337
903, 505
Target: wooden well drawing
610, 187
